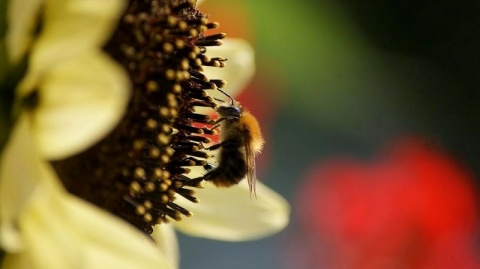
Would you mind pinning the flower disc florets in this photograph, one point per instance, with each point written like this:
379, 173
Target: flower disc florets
136, 171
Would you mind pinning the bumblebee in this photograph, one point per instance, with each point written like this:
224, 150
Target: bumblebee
241, 140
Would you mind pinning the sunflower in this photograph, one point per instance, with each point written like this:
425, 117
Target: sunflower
103, 142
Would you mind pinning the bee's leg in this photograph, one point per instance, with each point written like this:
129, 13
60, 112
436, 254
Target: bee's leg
216, 123
211, 171
209, 166
215, 126
227, 144
193, 182
214, 147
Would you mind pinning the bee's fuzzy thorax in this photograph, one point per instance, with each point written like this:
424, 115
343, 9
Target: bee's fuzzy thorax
249, 121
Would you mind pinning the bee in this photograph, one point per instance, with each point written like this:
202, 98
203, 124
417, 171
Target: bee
241, 140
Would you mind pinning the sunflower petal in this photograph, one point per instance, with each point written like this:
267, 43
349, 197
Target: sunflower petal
231, 215
61, 231
21, 16
111, 242
44, 234
18, 179
80, 102
15, 261
240, 65
166, 240
70, 27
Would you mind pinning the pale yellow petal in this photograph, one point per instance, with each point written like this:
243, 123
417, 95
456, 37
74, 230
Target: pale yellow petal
166, 240
80, 102
239, 69
110, 242
22, 16
68, 233
231, 215
70, 27
59, 230
16, 261
45, 234
18, 178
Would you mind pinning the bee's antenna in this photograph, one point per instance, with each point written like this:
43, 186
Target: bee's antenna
233, 102
218, 99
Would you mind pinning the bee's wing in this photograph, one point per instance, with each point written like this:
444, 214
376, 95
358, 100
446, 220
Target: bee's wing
250, 159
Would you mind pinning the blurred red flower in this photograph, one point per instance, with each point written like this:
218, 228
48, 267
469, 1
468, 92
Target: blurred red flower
414, 207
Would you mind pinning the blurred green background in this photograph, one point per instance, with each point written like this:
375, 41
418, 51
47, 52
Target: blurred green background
342, 78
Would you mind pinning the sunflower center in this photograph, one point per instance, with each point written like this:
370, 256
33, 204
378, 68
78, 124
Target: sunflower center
138, 169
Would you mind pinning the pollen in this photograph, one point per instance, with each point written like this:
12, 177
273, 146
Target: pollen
154, 152
139, 173
139, 169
